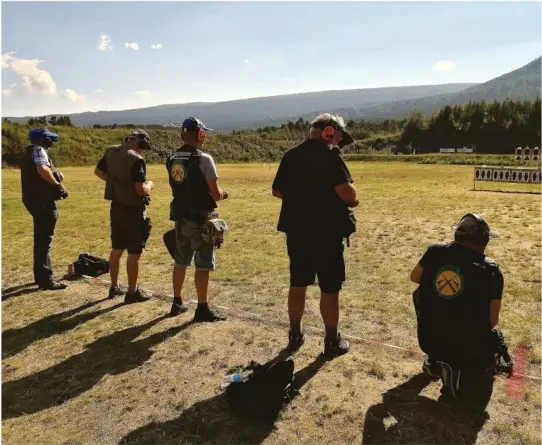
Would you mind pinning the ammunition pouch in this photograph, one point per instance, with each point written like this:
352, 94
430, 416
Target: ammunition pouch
212, 232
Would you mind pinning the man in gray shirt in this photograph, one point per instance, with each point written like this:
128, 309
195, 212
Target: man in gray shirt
194, 183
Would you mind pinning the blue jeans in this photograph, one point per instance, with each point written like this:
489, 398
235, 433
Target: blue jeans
190, 245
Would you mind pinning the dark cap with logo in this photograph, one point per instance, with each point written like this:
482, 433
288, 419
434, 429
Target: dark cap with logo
141, 135
472, 224
42, 133
193, 124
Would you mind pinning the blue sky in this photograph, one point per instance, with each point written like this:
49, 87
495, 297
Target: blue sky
214, 51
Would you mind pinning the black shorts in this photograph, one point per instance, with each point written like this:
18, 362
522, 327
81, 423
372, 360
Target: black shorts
130, 228
314, 256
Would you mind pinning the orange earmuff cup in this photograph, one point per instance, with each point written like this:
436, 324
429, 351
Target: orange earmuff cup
201, 136
328, 133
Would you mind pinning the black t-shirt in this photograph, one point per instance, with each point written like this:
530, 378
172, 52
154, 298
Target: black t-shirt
138, 172
456, 288
306, 178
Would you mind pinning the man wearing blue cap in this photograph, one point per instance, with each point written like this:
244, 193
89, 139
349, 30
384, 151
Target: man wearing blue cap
194, 183
41, 188
124, 171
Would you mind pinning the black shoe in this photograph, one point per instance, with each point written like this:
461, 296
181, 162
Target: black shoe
115, 292
53, 285
294, 343
336, 347
207, 315
431, 368
178, 308
137, 297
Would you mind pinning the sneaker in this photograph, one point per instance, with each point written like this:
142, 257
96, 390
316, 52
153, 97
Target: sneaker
336, 347
53, 285
294, 343
178, 308
137, 297
115, 292
207, 315
431, 368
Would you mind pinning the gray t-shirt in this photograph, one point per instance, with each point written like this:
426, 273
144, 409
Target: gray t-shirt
208, 167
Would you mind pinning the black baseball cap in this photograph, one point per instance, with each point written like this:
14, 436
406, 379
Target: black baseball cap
347, 138
193, 124
141, 135
470, 224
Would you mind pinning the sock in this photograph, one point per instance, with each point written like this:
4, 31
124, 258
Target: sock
203, 306
295, 328
331, 333
177, 300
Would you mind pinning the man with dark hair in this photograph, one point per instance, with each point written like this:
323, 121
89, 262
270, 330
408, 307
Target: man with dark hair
194, 183
125, 174
316, 190
41, 187
457, 303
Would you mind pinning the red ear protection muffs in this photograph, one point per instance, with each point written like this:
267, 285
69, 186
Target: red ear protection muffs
327, 133
201, 136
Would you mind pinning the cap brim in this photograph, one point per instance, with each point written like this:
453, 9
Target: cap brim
54, 137
492, 233
347, 139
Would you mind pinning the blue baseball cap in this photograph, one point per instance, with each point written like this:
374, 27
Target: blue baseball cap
193, 124
39, 133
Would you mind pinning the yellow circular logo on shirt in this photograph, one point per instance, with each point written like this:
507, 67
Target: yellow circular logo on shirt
177, 172
449, 282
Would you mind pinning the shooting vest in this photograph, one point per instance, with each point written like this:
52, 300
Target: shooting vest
452, 303
119, 186
34, 187
191, 194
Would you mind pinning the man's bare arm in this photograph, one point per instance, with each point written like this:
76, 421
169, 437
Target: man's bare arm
47, 174
217, 193
416, 274
348, 193
100, 174
144, 188
494, 311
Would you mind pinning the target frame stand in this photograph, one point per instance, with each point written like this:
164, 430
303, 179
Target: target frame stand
509, 175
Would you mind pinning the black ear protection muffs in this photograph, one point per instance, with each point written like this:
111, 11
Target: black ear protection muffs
47, 142
481, 236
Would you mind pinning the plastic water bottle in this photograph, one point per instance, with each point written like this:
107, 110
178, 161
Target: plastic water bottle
235, 378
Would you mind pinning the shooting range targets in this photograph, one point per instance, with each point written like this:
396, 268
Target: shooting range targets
495, 175
514, 176
526, 154
536, 155
518, 154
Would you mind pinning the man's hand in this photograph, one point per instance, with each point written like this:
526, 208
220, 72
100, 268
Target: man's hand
224, 195
61, 176
354, 204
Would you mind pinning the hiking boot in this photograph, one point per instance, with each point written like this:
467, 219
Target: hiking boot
178, 308
208, 315
115, 291
335, 347
294, 343
136, 297
53, 285
431, 368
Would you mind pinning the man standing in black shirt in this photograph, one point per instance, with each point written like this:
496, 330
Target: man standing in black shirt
316, 190
124, 171
41, 188
457, 303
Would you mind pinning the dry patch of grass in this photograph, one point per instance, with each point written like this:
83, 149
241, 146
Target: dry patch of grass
80, 370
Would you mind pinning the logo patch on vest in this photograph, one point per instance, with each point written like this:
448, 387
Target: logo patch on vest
449, 282
178, 172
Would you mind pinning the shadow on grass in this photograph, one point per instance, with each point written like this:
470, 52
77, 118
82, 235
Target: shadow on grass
405, 417
21, 289
211, 421
113, 354
17, 340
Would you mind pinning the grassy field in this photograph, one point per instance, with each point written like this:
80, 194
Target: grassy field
80, 370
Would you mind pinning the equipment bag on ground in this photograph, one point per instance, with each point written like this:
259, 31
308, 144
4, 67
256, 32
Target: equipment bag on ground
265, 392
90, 265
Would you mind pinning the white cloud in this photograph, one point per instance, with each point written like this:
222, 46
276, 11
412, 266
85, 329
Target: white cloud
6, 58
142, 94
99, 91
156, 46
246, 61
6, 92
34, 79
133, 46
444, 65
72, 95
105, 43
